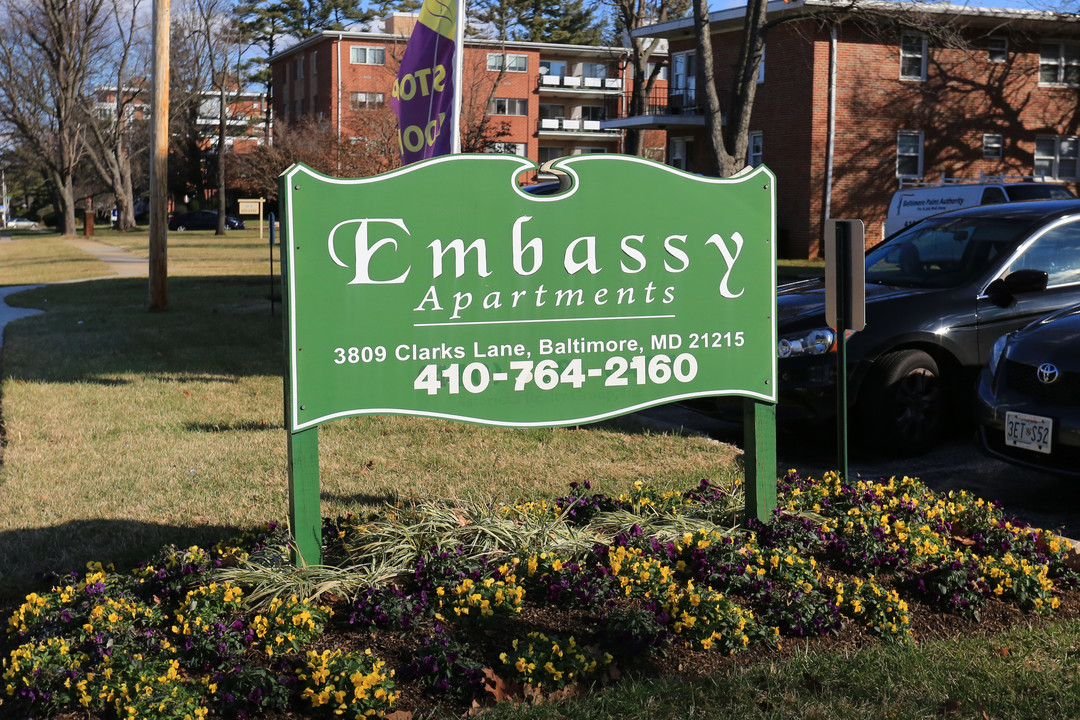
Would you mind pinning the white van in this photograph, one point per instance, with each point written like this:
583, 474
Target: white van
915, 201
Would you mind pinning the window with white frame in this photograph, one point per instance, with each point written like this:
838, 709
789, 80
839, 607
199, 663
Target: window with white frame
912, 56
684, 76
364, 55
1056, 156
993, 145
365, 100
514, 63
679, 152
506, 148
909, 154
508, 106
754, 148
997, 49
662, 75
1059, 64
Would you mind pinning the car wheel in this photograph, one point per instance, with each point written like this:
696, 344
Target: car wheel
903, 404
181, 228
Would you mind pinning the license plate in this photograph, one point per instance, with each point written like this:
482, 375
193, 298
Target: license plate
1031, 432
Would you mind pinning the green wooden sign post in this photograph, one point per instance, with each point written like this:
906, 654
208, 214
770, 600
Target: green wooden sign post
444, 289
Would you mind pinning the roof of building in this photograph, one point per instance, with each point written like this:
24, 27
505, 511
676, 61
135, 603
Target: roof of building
366, 36
684, 27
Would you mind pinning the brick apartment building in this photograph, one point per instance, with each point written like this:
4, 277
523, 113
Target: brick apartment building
551, 100
850, 103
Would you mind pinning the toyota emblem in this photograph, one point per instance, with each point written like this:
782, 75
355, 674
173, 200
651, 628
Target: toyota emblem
1048, 373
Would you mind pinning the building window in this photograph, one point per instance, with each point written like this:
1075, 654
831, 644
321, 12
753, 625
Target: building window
753, 148
593, 112
684, 77
300, 68
314, 63
544, 153
549, 111
365, 100
514, 63
555, 68
909, 154
363, 55
508, 106
997, 49
1056, 157
589, 150
594, 70
1059, 64
679, 155
761, 67
506, 148
913, 56
992, 145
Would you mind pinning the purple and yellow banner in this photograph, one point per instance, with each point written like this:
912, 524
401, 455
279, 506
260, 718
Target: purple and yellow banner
423, 95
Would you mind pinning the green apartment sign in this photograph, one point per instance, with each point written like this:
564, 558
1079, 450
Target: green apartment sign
444, 289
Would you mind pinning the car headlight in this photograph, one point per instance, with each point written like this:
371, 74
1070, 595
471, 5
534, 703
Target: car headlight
813, 342
996, 352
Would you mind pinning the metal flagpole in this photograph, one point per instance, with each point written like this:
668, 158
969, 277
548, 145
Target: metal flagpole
459, 64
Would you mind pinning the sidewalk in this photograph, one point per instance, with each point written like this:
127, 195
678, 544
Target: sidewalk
121, 263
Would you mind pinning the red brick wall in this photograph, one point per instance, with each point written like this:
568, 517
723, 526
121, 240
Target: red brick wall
963, 97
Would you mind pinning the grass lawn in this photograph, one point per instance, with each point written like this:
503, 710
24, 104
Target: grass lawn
124, 432
129, 430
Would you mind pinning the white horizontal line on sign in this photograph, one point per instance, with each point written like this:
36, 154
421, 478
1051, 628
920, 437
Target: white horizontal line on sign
553, 320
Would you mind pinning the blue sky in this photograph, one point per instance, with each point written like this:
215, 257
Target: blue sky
1015, 4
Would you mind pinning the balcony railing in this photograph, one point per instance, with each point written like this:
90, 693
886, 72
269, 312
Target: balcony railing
570, 125
579, 82
672, 101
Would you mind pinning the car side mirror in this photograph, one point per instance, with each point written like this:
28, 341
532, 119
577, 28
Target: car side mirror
1003, 291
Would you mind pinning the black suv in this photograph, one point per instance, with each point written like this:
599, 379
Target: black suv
938, 295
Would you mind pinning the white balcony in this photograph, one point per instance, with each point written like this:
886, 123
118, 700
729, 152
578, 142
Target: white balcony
593, 125
571, 81
571, 125
613, 83
592, 82
550, 80
549, 124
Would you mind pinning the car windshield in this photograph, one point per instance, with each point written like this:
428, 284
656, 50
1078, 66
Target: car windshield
944, 252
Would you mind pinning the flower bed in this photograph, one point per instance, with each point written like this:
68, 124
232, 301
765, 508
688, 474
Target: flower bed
465, 606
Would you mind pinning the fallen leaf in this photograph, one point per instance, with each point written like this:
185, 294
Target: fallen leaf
400, 715
1004, 652
501, 689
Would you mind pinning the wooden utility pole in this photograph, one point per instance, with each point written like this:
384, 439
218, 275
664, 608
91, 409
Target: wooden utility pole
159, 161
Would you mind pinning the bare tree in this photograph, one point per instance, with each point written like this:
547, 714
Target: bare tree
112, 109
631, 15
728, 138
219, 39
47, 50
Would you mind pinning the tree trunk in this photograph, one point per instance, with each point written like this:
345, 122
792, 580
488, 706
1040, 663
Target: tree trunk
728, 141
221, 162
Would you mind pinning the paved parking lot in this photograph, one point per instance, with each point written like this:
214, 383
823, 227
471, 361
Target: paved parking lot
1036, 498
